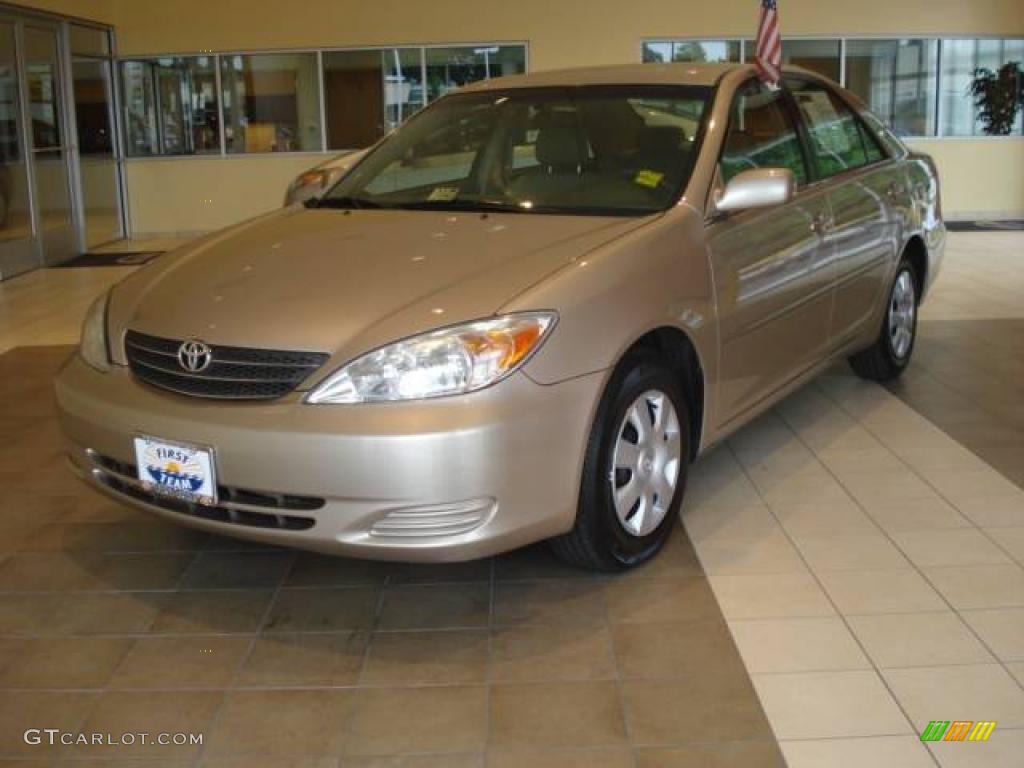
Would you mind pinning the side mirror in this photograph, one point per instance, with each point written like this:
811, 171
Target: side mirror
760, 188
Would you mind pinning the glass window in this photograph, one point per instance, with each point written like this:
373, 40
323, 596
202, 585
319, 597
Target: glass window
271, 102
897, 80
761, 134
170, 106
599, 149
707, 51
821, 56
367, 93
89, 41
961, 62
836, 141
450, 68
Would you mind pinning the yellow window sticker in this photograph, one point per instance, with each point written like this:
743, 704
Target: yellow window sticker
647, 178
443, 194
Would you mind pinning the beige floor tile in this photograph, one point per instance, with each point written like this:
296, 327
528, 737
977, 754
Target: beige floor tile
417, 658
757, 596
435, 606
993, 511
850, 552
875, 751
918, 640
770, 552
187, 661
556, 715
749, 754
439, 573
827, 705
1003, 750
536, 562
815, 489
964, 546
267, 723
871, 488
1001, 629
677, 649
251, 761
957, 485
796, 645
118, 712
980, 586
437, 719
916, 515
209, 611
1017, 670
327, 610
869, 592
1010, 539
321, 658
27, 613
549, 653
594, 757
844, 517
580, 602
63, 662
982, 691
664, 712
739, 522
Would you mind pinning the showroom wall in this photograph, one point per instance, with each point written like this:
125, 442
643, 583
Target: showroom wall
185, 194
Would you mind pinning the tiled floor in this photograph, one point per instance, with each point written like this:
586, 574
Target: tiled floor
858, 571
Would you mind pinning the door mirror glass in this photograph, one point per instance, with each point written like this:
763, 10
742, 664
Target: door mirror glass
760, 188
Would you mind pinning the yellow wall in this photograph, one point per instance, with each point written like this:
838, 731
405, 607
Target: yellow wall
981, 176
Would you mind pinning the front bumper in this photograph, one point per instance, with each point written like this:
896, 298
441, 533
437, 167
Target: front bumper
436, 480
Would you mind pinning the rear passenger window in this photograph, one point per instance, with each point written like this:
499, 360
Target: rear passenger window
837, 143
761, 134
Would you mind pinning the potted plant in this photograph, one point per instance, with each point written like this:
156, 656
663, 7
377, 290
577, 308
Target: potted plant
998, 97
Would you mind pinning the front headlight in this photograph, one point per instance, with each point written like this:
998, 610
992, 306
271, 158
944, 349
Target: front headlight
93, 347
311, 184
450, 361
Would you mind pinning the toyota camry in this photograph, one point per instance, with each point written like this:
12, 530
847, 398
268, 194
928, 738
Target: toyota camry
519, 317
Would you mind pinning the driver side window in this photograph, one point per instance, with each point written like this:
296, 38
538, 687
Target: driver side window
761, 134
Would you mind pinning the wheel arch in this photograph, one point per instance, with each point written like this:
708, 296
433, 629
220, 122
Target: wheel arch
676, 349
916, 252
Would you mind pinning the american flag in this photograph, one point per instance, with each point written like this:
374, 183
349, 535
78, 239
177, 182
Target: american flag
768, 59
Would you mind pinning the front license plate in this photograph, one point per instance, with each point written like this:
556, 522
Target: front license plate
176, 469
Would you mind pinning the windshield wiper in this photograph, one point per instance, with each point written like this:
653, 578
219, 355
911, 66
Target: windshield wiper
341, 202
466, 205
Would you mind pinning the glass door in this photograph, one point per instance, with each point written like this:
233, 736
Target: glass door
92, 77
17, 250
51, 188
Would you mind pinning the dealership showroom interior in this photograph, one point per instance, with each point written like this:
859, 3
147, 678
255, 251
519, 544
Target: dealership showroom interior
526, 384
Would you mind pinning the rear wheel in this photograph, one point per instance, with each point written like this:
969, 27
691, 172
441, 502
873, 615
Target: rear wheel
634, 472
887, 358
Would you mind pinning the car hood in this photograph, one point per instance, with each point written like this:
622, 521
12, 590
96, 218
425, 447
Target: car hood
344, 282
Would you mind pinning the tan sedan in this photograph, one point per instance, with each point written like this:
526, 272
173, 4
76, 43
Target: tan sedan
519, 317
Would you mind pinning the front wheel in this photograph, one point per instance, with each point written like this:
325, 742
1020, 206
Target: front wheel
887, 358
634, 471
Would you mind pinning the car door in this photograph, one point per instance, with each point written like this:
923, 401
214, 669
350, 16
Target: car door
862, 184
772, 267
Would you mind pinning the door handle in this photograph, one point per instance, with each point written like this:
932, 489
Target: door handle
821, 224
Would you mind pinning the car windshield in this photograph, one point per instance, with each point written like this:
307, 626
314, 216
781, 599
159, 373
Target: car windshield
618, 150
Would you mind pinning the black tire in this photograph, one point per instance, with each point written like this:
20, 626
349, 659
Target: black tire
881, 361
598, 541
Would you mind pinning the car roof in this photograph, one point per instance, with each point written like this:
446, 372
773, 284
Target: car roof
622, 74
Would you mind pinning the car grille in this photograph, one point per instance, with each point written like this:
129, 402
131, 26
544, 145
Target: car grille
234, 373
255, 509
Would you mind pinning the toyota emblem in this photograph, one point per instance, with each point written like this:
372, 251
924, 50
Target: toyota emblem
194, 356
